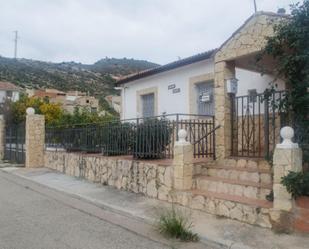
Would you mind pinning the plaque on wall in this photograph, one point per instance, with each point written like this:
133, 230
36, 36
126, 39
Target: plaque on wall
172, 86
176, 90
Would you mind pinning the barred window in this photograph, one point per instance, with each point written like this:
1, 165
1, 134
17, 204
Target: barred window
148, 105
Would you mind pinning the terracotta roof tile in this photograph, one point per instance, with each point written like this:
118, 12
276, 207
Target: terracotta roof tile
4, 85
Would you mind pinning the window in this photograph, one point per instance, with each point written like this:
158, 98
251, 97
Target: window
9, 94
148, 105
205, 99
252, 93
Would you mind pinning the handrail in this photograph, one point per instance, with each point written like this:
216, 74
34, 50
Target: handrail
212, 131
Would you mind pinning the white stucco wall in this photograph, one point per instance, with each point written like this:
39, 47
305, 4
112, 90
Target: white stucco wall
15, 96
170, 102
252, 80
3, 95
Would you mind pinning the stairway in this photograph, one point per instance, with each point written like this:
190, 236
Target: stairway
234, 188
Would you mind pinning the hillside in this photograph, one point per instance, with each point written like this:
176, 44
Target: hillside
97, 79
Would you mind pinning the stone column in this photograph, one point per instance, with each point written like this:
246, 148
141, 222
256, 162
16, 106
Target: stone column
183, 165
223, 71
287, 157
2, 137
35, 139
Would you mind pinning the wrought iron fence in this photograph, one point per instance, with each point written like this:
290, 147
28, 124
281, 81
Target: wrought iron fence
148, 138
14, 150
256, 122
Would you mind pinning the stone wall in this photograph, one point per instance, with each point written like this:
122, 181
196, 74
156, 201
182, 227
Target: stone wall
153, 180
35, 140
251, 37
2, 136
147, 178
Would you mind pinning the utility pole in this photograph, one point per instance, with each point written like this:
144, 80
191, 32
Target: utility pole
255, 9
15, 44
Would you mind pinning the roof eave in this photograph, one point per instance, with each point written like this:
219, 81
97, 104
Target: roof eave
168, 67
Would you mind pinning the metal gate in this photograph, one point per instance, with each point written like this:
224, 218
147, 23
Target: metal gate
14, 150
256, 123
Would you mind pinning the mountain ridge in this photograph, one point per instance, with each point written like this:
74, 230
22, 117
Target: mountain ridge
97, 78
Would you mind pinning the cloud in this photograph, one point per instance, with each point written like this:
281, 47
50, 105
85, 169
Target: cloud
87, 30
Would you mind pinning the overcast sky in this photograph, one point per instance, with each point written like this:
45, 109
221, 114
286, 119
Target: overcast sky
155, 30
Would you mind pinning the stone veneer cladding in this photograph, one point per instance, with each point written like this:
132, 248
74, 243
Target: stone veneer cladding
248, 40
150, 179
35, 140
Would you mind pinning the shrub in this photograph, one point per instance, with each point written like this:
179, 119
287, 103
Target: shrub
289, 49
151, 139
175, 224
117, 138
296, 183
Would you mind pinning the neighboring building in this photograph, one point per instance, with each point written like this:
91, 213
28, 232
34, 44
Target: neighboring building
8, 91
89, 103
69, 100
114, 101
46, 93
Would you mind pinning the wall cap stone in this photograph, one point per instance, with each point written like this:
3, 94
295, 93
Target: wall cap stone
30, 111
287, 133
182, 136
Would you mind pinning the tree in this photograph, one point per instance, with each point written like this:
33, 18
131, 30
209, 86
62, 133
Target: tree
290, 49
19, 108
53, 113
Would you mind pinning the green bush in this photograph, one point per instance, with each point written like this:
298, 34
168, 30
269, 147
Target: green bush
175, 224
296, 183
151, 139
117, 138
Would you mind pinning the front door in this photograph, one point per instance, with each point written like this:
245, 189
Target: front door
205, 98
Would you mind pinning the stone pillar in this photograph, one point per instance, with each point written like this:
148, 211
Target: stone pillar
182, 162
223, 71
35, 139
287, 157
2, 137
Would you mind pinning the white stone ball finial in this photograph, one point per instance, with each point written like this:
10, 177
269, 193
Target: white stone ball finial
182, 135
30, 111
287, 133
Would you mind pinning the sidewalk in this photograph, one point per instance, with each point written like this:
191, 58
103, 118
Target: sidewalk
225, 232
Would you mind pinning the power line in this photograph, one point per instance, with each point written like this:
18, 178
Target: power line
15, 43
255, 9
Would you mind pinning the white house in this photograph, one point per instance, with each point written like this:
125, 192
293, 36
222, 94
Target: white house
187, 85
8, 91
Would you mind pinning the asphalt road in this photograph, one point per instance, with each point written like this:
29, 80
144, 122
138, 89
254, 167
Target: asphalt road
32, 217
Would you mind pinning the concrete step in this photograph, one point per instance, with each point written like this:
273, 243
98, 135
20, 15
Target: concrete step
242, 174
239, 163
250, 210
301, 225
241, 188
301, 216
252, 202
